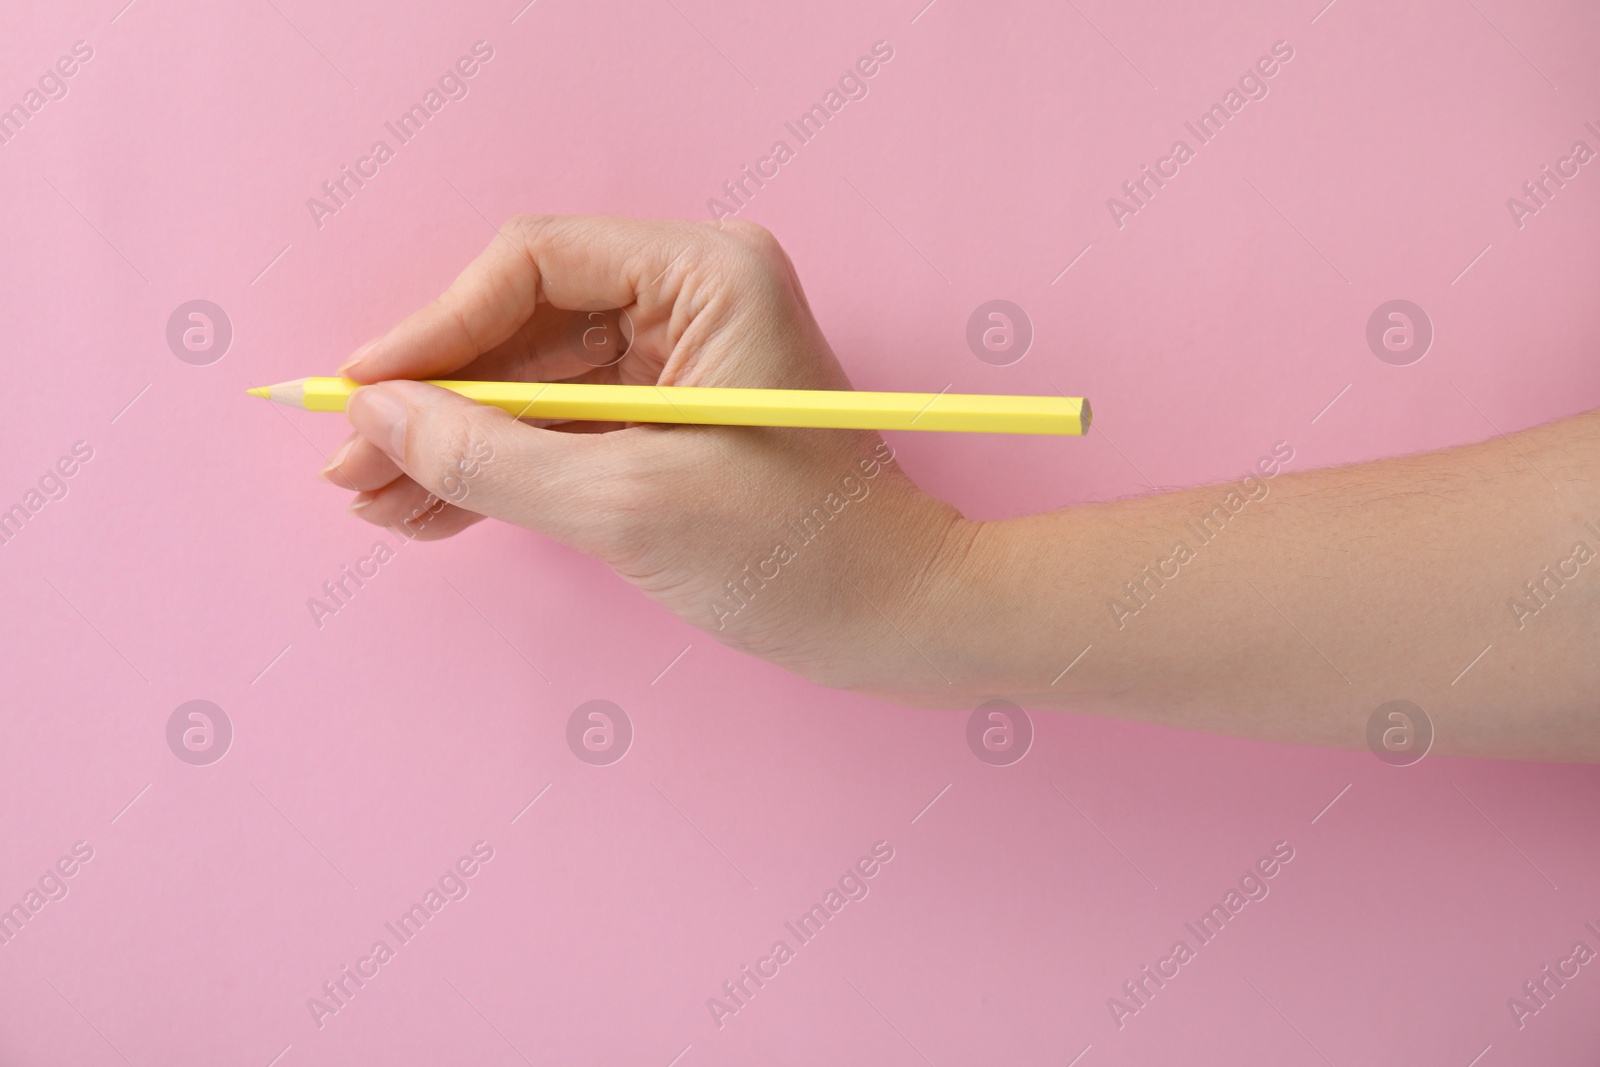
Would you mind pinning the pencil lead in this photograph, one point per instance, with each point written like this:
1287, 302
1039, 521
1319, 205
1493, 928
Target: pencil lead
263, 391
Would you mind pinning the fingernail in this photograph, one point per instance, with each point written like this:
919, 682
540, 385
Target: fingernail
358, 503
326, 473
381, 418
359, 355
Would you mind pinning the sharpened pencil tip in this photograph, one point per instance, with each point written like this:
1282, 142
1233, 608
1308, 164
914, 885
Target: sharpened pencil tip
263, 391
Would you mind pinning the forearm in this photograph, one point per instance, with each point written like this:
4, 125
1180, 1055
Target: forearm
1295, 612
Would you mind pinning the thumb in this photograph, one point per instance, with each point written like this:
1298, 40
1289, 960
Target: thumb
482, 459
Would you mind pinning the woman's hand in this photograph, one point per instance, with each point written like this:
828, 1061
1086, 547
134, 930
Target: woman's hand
810, 548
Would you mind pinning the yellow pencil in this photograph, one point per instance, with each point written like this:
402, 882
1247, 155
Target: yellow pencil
838, 410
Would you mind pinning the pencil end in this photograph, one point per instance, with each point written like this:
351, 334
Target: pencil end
263, 391
1085, 417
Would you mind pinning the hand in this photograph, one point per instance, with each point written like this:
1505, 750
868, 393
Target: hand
810, 548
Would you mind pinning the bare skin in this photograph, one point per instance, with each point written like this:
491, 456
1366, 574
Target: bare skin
1299, 603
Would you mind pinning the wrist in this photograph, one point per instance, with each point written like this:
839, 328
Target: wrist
942, 656
999, 616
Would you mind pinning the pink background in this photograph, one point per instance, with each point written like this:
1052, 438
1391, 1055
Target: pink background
370, 753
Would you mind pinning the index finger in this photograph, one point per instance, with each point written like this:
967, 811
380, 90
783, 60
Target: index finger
571, 262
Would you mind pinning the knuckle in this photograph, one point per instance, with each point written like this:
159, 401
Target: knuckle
627, 502
754, 237
624, 496
534, 233
528, 223
450, 447
753, 255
